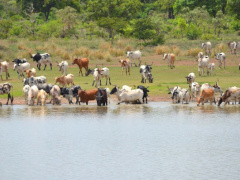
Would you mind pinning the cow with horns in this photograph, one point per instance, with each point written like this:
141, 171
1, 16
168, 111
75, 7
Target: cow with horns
190, 78
101, 97
145, 71
82, 63
63, 67
41, 58
6, 88
175, 94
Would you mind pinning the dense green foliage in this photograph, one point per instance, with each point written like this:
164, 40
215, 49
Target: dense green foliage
152, 21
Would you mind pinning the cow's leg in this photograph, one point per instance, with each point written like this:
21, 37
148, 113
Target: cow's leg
106, 80
100, 82
80, 71
86, 102
45, 67
9, 97
139, 62
93, 82
51, 66
109, 81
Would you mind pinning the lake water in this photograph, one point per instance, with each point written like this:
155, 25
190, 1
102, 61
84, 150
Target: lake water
154, 141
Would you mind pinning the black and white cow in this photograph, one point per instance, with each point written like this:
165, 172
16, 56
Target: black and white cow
19, 61
69, 93
42, 58
5, 88
145, 92
145, 71
46, 87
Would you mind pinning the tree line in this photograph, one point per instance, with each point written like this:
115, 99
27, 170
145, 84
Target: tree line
148, 20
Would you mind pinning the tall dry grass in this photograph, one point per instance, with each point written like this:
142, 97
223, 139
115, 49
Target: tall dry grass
192, 52
162, 49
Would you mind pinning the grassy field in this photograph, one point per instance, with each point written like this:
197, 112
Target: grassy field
163, 77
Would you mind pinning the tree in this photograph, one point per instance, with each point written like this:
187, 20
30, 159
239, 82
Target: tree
144, 29
182, 25
31, 26
168, 5
113, 15
5, 26
218, 22
234, 8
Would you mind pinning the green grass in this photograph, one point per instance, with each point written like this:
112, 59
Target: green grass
163, 77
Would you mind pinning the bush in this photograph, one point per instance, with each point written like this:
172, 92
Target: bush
162, 49
208, 36
157, 41
193, 32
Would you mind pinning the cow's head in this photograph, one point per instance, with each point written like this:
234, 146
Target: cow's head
199, 99
129, 53
165, 56
57, 79
203, 44
90, 71
37, 57
75, 61
174, 91
114, 90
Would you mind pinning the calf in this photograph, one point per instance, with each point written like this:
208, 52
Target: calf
55, 95
86, 96
63, 67
41, 97
101, 97
6, 88
32, 94
145, 92
30, 72
65, 80
170, 59
26, 88
206, 94
125, 64
42, 58
132, 55
211, 68
4, 68
82, 63
21, 68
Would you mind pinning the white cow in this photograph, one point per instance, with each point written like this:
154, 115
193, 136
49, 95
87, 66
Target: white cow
175, 94
26, 88
145, 71
195, 90
32, 95
131, 96
221, 57
184, 95
63, 67
98, 73
132, 55
211, 68
21, 68
202, 64
117, 91
190, 78
207, 46
4, 68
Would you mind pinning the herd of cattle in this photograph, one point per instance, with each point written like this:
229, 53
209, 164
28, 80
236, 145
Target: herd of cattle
37, 88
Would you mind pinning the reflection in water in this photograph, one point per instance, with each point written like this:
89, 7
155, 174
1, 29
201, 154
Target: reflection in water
153, 141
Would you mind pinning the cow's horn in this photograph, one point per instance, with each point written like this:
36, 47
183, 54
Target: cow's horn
168, 88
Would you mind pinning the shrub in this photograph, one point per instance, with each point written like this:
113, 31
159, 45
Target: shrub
83, 51
193, 52
116, 52
162, 49
128, 48
193, 32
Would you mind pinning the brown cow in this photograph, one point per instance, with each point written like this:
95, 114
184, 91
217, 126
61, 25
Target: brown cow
232, 93
30, 72
170, 59
88, 95
64, 80
206, 94
82, 63
125, 64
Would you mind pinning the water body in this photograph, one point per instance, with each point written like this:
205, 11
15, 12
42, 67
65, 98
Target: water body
154, 141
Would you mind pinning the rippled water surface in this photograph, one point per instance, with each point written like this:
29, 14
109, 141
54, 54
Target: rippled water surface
154, 141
